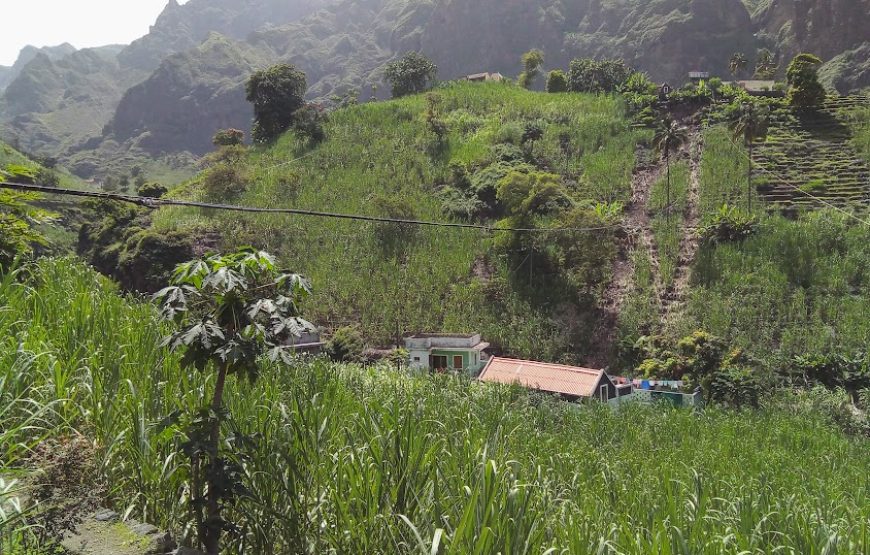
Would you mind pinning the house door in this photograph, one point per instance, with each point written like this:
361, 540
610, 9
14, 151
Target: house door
439, 363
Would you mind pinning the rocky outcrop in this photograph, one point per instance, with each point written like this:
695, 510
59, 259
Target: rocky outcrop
826, 28
849, 72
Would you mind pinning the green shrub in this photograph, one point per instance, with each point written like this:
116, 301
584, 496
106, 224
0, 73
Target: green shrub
728, 225
557, 81
152, 190
346, 345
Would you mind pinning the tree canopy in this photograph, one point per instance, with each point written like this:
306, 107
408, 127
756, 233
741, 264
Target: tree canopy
413, 74
277, 94
532, 62
597, 76
804, 89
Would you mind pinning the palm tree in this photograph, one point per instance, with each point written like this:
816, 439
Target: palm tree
670, 136
737, 63
750, 124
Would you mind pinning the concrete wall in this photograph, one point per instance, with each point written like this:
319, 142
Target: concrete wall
447, 342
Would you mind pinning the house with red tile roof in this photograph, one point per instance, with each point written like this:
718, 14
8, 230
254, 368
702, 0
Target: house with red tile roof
568, 382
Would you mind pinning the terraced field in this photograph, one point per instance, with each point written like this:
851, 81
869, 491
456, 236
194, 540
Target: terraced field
807, 158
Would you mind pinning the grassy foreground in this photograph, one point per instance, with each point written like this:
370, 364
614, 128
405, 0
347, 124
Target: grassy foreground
352, 460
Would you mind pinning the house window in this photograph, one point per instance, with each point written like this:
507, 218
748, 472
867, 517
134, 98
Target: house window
458, 362
416, 359
439, 362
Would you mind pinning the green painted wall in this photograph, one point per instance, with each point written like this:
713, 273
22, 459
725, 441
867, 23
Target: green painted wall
467, 357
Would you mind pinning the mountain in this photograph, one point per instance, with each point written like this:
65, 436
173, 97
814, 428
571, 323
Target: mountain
169, 90
56, 103
27, 54
183, 27
188, 98
5, 74
826, 28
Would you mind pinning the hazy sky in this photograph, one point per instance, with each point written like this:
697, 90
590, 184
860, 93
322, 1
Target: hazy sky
81, 23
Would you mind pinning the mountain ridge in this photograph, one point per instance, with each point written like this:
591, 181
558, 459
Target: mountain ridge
66, 106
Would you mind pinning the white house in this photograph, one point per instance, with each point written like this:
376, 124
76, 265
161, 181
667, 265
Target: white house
446, 351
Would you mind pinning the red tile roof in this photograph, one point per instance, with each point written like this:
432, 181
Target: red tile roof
552, 378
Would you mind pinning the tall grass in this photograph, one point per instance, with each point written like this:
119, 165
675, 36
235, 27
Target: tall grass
802, 287
385, 150
353, 460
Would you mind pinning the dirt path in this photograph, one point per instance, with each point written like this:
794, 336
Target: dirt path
672, 299
637, 235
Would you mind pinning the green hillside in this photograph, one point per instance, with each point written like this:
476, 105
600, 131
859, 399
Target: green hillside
348, 460
380, 159
577, 296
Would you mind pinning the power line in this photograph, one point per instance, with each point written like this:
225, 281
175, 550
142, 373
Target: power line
152, 203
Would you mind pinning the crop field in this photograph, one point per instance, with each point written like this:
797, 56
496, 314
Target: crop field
808, 158
353, 460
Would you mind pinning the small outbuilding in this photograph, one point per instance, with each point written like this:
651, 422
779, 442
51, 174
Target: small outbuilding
571, 383
484, 77
440, 352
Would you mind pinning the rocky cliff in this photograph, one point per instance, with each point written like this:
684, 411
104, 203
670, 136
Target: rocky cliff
188, 98
825, 27
182, 27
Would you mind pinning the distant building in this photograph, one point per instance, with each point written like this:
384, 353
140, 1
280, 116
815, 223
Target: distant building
482, 77
699, 75
568, 382
309, 342
760, 87
439, 352
665, 91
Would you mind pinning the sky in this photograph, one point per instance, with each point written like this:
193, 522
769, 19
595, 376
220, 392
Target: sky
82, 23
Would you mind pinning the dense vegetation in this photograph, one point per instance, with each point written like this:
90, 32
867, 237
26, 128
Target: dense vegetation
387, 159
373, 461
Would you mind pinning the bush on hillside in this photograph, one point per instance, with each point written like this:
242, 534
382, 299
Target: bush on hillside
804, 89
728, 225
277, 94
394, 239
152, 190
224, 181
413, 74
557, 81
597, 76
346, 345
228, 137
309, 123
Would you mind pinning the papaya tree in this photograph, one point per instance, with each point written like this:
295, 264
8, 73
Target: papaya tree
230, 311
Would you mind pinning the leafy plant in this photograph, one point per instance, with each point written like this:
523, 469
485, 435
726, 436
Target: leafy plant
18, 221
728, 225
346, 345
230, 310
